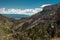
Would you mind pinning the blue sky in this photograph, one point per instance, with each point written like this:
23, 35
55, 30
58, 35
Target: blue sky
24, 4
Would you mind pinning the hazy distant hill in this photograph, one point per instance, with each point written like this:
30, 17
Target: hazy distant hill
16, 16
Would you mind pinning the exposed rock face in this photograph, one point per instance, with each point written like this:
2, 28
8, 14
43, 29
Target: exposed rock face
52, 7
57, 17
57, 14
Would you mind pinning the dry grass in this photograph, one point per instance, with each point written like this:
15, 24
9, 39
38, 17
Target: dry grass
55, 38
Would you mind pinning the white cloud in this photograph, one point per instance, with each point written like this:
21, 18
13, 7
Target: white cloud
20, 11
45, 5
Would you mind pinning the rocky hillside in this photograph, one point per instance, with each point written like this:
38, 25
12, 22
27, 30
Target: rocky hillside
41, 26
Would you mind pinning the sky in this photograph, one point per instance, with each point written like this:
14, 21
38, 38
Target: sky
28, 7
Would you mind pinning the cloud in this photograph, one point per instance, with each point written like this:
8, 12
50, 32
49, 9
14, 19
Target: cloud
19, 11
45, 5
22, 11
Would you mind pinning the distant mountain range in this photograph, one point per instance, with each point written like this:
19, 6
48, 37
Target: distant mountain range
16, 16
40, 26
